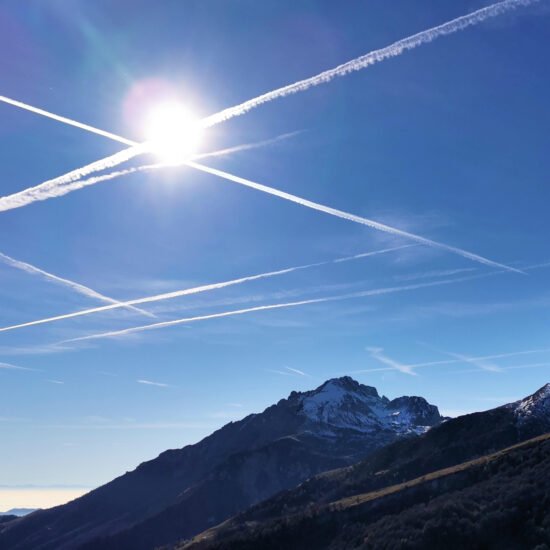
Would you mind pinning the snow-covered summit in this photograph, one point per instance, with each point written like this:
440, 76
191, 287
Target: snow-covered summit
535, 405
344, 403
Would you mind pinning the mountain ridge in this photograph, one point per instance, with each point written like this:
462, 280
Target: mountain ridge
331, 426
452, 442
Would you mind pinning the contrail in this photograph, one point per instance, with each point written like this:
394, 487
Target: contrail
347, 216
23, 198
379, 355
363, 294
66, 120
13, 367
41, 193
56, 187
199, 289
454, 361
86, 291
247, 146
359, 63
73, 180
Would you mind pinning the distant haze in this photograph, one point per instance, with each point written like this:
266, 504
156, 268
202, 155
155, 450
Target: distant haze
37, 497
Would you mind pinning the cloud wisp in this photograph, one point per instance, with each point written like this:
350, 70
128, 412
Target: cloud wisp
296, 371
284, 305
376, 56
151, 383
482, 364
348, 216
9, 366
460, 359
379, 355
199, 289
77, 287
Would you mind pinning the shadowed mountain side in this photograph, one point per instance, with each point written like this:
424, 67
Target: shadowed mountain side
499, 501
179, 493
446, 445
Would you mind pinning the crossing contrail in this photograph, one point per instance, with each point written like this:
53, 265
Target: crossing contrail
73, 181
43, 194
66, 120
347, 216
198, 289
86, 291
359, 63
66, 183
231, 313
36, 193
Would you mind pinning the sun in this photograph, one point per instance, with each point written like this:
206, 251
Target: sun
172, 132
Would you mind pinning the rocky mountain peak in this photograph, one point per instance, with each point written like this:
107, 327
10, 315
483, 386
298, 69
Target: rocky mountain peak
344, 403
535, 405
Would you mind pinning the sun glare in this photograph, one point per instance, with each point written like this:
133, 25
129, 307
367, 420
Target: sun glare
173, 133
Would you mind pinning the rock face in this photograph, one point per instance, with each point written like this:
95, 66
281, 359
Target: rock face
344, 404
185, 491
534, 408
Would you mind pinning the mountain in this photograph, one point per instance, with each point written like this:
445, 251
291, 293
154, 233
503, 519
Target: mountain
185, 491
347, 499
498, 501
18, 512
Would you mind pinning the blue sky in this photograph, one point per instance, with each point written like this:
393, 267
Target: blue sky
447, 141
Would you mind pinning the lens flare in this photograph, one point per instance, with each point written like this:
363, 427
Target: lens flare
173, 133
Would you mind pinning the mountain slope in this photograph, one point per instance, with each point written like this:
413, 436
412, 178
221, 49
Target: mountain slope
180, 493
453, 442
497, 501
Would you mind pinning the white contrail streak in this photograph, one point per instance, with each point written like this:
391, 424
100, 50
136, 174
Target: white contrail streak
247, 146
72, 181
199, 289
347, 216
30, 195
393, 50
381, 357
454, 361
479, 363
81, 289
67, 182
43, 193
9, 366
66, 120
363, 294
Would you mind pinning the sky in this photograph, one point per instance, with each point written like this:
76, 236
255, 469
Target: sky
447, 141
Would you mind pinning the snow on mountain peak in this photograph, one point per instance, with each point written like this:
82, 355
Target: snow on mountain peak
344, 403
537, 404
